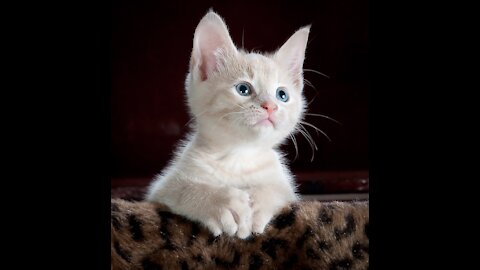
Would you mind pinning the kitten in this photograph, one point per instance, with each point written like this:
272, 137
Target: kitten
229, 175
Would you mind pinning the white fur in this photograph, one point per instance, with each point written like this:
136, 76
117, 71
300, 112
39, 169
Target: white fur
228, 174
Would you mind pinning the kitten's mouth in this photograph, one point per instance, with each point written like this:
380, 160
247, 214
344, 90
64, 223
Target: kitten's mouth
265, 122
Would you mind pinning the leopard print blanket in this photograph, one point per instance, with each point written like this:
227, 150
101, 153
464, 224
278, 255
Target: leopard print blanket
304, 235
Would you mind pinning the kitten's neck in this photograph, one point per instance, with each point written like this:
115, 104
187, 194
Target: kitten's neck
226, 147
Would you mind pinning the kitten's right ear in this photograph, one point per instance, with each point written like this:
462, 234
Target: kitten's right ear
211, 36
292, 54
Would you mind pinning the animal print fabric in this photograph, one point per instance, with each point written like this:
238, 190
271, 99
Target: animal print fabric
304, 235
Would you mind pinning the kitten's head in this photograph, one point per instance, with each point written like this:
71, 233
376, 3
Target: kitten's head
244, 97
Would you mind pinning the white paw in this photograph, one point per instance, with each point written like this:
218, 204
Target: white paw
260, 220
233, 214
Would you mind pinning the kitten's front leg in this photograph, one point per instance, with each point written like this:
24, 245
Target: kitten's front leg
219, 208
266, 201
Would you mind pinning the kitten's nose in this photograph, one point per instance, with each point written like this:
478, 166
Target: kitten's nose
269, 106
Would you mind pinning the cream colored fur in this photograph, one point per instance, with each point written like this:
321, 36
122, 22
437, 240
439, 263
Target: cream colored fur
228, 175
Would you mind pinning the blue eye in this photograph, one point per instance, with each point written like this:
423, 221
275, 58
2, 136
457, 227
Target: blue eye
282, 94
243, 89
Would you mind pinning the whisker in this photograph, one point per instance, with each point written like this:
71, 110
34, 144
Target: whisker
315, 71
195, 117
230, 113
324, 116
307, 82
310, 102
308, 140
240, 106
309, 136
316, 128
310, 125
294, 144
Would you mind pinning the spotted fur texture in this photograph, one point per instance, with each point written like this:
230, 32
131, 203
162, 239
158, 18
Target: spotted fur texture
304, 235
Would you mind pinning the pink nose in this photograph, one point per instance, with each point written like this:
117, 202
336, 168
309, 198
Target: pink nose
269, 106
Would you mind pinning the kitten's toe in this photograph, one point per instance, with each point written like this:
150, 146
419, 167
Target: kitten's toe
238, 219
242, 212
244, 231
214, 227
227, 220
260, 221
245, 223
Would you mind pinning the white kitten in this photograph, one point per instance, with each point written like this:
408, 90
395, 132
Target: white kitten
228, 175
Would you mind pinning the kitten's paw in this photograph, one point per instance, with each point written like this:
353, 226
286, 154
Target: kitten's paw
233, 216
239, 207
245, 227
260, 220
225, 222
213, 226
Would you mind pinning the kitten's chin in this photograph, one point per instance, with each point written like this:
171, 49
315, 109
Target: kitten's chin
265, 123
264, 128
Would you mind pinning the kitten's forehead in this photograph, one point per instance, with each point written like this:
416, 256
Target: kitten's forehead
261, 68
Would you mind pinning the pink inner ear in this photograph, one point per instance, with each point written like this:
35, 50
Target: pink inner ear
208, 64
294, 67
203, 69
292, 54
295, 70
211, 38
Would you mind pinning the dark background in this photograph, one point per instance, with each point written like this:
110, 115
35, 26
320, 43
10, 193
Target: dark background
56, 112
151, 44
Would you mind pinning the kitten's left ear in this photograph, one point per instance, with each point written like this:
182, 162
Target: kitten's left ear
211, 36
292, 54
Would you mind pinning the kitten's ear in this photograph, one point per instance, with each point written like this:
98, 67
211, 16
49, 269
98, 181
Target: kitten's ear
292, 54
211, 36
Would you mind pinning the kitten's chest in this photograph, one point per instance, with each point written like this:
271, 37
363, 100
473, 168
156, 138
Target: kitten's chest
245, 169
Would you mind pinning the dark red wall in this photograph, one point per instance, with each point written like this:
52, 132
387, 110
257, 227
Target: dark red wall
151, 43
